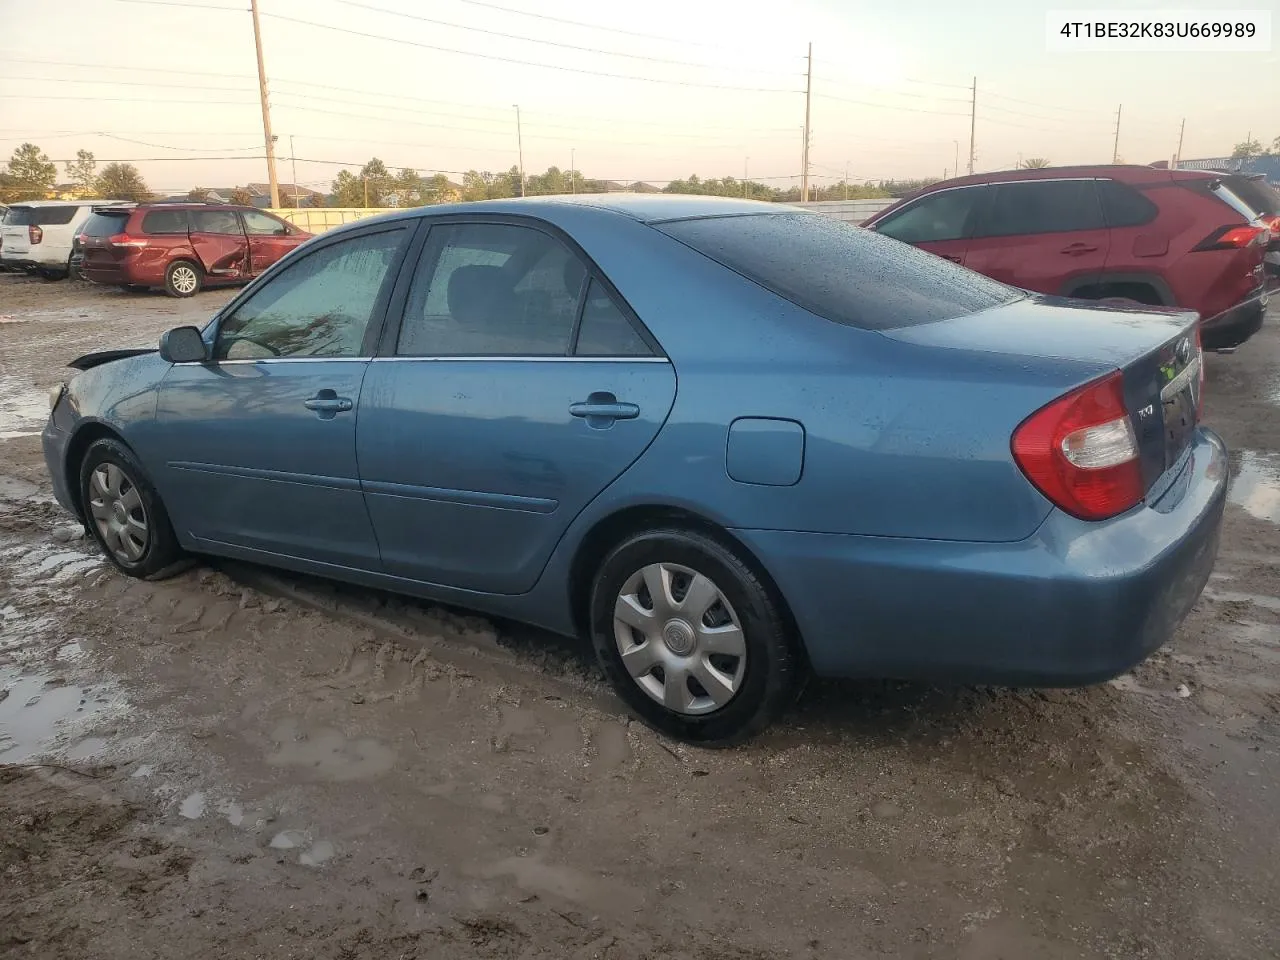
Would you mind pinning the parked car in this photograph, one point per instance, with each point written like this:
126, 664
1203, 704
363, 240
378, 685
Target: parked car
183, 247
1162, 237
36, 235
1254, 190
877, 463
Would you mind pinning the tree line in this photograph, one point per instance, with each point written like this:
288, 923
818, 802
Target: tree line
31, 175
1252, 148
376, 186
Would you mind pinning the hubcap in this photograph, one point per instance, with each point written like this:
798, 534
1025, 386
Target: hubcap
116, 507
184, 279
679, 638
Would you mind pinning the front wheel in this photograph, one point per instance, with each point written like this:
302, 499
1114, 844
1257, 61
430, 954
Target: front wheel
183, 279
124, 513
690, 637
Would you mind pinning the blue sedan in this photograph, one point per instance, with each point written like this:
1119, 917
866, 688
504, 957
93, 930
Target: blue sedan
730, 442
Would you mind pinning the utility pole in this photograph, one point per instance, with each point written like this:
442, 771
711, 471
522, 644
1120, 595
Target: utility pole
1181, 130
973, 123
520, 145
955, 171
573, 170
365, 181
1115, 149
846, 179
808, 96
266, 110
293, 163
745, 161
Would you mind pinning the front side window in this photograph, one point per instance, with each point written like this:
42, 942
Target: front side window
262, 225
1042, 206
940, 216
215, 221
319, 306
489, 289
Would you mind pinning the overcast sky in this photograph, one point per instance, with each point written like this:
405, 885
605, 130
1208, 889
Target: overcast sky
651, 90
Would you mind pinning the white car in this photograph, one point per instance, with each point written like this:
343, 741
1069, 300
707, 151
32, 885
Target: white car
37, 235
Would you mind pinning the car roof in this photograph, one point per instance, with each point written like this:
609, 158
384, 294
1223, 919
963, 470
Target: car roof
1124, 172
643, 207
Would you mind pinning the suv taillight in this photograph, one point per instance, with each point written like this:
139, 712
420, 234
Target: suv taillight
1235, 238
1080, 451
34, 234
124, 240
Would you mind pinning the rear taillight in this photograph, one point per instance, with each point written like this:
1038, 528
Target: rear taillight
1235, 238
1080, 451
34, 234
124, 240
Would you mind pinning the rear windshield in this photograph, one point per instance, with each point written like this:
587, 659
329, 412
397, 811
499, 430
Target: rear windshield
1232, 199
39, 216
839, 271
104, 224
1257, 193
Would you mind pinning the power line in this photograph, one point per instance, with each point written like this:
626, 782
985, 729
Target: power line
107, 66
888, 106
95, 81
185, 6
600, 27
555, 43
42, 96
527, 63
894, 93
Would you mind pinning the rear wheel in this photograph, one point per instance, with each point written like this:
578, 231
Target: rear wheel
183, 278
124, 512
690, 637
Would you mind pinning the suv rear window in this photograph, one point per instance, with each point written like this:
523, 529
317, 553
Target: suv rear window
842, 272
1224, 193
104, 224
1256, 193
39, 216
165, 221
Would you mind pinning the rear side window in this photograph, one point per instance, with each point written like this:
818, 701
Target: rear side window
105, 224
842, 272
215, 221
165, 221
39, 216
1123, 206
1042, 206
944, 215
604, 330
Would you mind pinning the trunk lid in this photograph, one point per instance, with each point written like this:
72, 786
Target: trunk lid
101, 225
14, 237
1156, 349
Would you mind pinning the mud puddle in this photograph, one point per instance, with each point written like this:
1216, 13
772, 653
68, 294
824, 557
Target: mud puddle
41, 715
1256, 485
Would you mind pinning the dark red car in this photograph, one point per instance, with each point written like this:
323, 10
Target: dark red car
182, 247
1165, 237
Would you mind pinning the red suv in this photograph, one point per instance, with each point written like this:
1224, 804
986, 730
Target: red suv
1166, 237
182, 246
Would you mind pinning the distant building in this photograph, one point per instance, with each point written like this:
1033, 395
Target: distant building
260, 194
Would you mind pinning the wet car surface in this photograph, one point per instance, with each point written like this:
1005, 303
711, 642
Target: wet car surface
246, 763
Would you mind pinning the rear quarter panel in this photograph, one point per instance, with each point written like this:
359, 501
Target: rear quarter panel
901, 440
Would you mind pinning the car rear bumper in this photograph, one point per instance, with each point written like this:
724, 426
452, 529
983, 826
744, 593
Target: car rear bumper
1234, 326
1076, 603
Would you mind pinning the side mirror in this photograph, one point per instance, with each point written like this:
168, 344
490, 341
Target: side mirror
282, 231
183, 345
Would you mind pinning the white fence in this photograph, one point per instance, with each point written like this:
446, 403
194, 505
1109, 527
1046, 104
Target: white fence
853, 211
320, 219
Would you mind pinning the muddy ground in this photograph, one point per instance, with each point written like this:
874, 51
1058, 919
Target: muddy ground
237, 763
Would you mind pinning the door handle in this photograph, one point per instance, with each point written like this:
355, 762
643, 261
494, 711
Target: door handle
1076, 249
328, 404
601, 409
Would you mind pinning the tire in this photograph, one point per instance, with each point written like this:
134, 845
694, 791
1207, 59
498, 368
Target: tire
51, 274
183, 278
124, 513
752, 676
